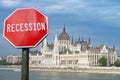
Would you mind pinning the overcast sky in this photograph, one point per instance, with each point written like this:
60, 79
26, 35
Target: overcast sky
99, 19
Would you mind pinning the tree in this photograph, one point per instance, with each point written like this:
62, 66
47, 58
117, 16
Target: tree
117, 63
102, 61
4, 62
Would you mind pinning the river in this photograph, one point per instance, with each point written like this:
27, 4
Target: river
37, 75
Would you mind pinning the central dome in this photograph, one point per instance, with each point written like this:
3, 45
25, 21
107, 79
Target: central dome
64, 35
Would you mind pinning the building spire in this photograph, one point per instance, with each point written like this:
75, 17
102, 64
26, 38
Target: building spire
56, 44
72, 40
79, 39
42, 44
64, 28
82, 39
45, 43
89, 41
56, 38
113, 47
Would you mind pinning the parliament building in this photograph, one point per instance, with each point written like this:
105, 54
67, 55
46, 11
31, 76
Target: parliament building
69, 53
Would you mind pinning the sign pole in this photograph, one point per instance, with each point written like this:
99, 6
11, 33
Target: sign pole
25, 63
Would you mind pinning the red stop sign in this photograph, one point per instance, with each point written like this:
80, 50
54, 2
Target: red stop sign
25, 28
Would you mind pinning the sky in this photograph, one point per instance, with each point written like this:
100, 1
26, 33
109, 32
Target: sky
97, 19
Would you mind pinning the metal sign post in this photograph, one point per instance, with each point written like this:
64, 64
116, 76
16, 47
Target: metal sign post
25, 63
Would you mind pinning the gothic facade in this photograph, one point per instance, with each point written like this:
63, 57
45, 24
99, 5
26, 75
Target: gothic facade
68, 53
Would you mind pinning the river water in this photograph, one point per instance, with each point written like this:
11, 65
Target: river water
12, 75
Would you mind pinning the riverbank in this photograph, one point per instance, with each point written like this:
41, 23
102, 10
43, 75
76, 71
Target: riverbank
106, 70
11, 67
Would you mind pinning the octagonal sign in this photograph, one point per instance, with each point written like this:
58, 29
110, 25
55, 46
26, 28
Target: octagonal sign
25, 28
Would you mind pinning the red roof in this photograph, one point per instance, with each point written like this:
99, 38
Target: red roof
64, 35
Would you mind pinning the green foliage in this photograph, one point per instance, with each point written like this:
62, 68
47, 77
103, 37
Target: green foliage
4, 62
102, 61
117, 63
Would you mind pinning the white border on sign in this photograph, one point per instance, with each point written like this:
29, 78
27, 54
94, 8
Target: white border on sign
24, 46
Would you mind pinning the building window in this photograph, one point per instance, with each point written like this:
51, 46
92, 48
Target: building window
70, 61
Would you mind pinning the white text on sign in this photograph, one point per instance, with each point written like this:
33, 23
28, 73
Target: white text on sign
24, 27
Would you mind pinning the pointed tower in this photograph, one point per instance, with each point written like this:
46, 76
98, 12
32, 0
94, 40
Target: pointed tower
82, 39
64, 35
45, 43
79, 39
42, 44
89, 41
55, 42
113, 48
44, 47
72, 41
64, 30
56, 51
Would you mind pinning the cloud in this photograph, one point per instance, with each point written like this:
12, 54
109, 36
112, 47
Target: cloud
10, 3
71, 6
98, 18
53, 6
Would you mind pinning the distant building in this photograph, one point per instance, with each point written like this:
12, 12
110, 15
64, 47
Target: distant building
119, 57
35, 58
1, 58
69, 53
14, 59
